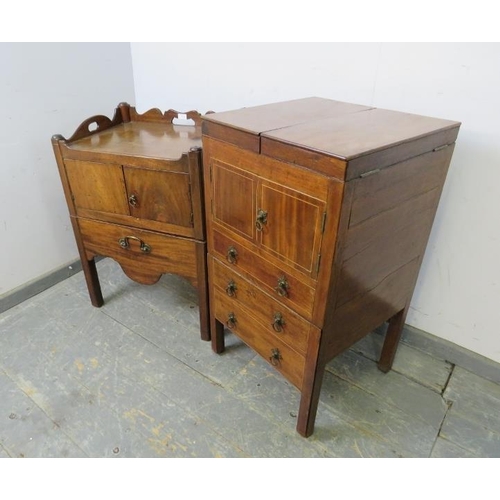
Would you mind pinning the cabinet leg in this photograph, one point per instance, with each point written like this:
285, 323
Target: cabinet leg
201, 263
93, 285
391, 342
217, 336
309, 402
204, 316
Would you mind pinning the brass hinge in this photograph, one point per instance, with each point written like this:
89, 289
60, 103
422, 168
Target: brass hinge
323, 222
370, 172
318, 263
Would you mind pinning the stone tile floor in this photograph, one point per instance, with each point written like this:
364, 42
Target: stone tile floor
133, 379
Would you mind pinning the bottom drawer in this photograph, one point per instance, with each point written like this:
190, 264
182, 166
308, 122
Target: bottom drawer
143, 255
241, 322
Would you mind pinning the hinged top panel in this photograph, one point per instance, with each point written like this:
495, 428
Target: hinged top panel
350, 136
243, 127
347, 146
334, 138
259, 119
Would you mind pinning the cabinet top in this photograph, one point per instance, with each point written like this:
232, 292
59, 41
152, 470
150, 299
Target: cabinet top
152, 140
259, 119
338, 139
153, 134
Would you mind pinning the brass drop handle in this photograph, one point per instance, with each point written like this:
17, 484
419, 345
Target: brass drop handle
275, 357
283, 287
232, 255
124, 243
231, 288
261, 220
132, 199
278, 322
231, 320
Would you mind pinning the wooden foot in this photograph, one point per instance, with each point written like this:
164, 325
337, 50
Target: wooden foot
309, 404
93, 285
311, 386
217, 336
201, 263
391, 342
204, 319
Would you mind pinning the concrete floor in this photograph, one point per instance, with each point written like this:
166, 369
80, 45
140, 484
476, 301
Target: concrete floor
133, 379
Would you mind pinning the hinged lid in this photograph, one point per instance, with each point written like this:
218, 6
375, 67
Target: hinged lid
349, 145
247, 124
338, 139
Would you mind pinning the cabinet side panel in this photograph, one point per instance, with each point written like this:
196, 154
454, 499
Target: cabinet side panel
380, 255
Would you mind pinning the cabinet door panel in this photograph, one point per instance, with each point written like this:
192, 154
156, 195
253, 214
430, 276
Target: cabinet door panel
234, 198
97, 186
293, 227
159, 196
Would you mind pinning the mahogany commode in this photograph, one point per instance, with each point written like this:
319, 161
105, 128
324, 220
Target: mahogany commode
318, 215
133, 185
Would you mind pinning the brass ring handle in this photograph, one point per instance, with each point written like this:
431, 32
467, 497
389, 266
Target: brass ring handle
278, 322
261, 219
231, 288
231, 320
124, 243
232, 255
132, 199
275, 357
283, 287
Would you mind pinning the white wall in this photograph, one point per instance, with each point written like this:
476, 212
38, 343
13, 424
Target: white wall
47, 89
458, 292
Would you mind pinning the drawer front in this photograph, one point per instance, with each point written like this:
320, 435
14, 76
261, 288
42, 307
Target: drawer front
282, 286
277, 319
247, 327
143, 255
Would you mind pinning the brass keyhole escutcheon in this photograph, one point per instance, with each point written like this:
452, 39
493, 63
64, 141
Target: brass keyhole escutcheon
124, 243
231, 288
278, 322
231, 320
275, 357
232, 255
261, 219
132, 199
283, 287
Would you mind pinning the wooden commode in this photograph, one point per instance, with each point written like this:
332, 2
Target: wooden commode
318, 215
133, 185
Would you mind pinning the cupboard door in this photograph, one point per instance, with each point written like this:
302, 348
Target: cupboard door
97, 186
233, 198
159, 195
290, 225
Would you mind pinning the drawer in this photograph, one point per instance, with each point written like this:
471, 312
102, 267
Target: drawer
282, 286
277, 319
143, 255
248, 328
